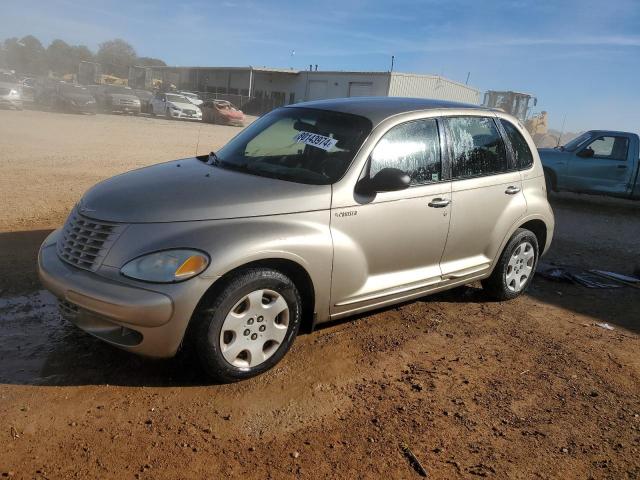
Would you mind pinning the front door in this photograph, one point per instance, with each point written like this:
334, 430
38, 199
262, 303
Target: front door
601, 166
390, 246
486, 197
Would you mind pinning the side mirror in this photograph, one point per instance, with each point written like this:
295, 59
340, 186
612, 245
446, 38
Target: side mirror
586, 153
386, 180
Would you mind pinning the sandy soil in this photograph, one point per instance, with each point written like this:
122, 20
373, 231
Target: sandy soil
532, 388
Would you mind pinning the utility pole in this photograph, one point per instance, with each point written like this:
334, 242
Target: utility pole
467, 81
393, 59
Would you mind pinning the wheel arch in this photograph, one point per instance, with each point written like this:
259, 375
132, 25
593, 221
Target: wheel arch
539, 229
292, 269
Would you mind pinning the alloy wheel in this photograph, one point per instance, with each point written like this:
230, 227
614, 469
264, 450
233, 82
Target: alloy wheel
254, 328
520, 267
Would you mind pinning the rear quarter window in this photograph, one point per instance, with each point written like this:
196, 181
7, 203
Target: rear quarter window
521, 151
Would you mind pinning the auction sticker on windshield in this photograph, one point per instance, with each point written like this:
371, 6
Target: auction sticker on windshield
315, 140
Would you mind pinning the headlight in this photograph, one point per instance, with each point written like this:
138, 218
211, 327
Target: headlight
13, 93
167, 266
173, 107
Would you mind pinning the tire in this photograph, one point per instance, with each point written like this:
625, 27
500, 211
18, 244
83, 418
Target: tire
224, 331
167, 114
515, 269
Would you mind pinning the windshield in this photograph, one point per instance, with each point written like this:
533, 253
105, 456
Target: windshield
120, 90
573, 144
297, 144
176, 98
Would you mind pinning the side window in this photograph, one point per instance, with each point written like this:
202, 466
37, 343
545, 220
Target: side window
613, 148
524, 158
413, 147
477, 147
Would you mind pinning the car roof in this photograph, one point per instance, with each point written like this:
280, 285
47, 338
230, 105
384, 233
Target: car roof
377, 109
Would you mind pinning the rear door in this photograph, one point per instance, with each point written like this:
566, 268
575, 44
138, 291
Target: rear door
601, 166
486, 198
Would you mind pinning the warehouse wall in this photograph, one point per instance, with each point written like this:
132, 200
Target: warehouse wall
317, 85
431, 86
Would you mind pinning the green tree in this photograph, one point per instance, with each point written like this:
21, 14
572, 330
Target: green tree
150, 62
116, 56
26, 55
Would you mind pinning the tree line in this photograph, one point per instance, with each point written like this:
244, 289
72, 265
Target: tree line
28, 56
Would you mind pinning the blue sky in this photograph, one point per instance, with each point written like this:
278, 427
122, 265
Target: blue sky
581, 58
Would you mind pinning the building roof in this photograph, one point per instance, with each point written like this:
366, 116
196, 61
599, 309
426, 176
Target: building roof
377, 109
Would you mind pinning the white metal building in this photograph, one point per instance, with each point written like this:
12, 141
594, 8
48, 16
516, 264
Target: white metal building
292, 86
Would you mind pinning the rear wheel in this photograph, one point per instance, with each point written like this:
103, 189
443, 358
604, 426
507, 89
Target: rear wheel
249, 326
516, 267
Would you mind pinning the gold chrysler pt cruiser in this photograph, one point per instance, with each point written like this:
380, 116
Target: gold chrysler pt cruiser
315, 212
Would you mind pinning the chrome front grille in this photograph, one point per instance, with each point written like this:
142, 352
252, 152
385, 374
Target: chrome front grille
189, 112
84, 242
126, 101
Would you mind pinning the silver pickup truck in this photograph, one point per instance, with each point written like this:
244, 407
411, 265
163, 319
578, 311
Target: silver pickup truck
602, 162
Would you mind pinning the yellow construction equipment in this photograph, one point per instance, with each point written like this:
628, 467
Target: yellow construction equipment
520, 105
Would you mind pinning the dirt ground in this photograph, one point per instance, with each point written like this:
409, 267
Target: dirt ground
531, 388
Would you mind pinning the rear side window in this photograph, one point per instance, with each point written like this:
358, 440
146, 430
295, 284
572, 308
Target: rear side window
524, 158
414, 148
476, 146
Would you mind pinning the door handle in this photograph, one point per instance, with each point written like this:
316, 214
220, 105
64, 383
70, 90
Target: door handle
439, 203
622, 166
512, 190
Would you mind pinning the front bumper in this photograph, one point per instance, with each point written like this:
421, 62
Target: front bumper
125, 108
148, 321
180, 114
87, 108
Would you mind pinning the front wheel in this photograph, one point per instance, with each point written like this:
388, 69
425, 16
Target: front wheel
249, 326
516, 267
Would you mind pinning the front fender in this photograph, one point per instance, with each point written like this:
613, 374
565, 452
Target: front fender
303, 238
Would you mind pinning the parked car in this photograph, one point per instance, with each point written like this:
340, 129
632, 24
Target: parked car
145, 97
10, 91
601, 162
116, 98
28, 89
172, 105
315, 212
222, 112
192, 97
68, 97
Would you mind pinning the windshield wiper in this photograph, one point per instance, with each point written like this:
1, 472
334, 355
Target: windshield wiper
218, 162
213, 159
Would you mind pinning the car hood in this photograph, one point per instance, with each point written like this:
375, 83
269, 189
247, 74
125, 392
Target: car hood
189, 189
184, 105
550, 154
